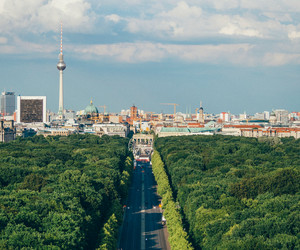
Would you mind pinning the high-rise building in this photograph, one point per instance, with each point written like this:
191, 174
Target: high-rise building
8, 103
282, 116
267, 115
61, 67
31, 109
225, 116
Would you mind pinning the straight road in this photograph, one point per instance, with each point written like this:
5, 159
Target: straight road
142, 228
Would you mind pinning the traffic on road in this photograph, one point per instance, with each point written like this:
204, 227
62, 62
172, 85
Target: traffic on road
143, 226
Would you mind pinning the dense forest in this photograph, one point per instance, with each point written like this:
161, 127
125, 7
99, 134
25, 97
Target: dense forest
63, 192
235, 192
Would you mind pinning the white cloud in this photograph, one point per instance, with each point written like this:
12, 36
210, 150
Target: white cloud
226, 4
277, 16
124, 52
113, 18
269, 27
74, 14
236, 54
244, 54
182, 21
294, 35
279, 59
183, 11
43, 16
170, 19
215, 54
287, 6
185, 21
145, 52
241, 27
18, 46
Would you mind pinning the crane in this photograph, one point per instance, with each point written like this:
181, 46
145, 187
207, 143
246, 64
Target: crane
104, 107
174, 104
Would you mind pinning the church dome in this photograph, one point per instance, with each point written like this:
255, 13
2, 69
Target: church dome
91, 109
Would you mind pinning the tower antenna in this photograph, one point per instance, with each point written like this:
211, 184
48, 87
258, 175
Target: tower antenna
61, 36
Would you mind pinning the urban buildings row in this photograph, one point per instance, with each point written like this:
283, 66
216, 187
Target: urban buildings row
31, 117
9, 110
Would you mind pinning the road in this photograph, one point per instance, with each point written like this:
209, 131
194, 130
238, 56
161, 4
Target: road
142, 228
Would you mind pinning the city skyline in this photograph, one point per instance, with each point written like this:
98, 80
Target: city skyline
235, 57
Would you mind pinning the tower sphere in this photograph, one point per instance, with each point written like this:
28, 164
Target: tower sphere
61, 64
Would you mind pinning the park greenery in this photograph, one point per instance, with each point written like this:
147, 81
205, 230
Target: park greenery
63, 192
232, 192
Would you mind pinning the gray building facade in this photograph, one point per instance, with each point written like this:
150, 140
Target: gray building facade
8, 103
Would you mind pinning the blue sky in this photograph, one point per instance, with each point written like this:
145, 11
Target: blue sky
234, 55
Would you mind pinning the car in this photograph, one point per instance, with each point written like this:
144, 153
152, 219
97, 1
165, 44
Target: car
163, 220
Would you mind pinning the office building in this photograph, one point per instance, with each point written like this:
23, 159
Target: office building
282, 116
7, 103
31, 109
225, 117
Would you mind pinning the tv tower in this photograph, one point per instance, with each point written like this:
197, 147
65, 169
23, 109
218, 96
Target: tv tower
61, 67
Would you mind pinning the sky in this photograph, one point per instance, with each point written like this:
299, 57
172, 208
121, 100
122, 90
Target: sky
233, 55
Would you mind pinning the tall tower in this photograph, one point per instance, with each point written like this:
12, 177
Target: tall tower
201, 114
133, 113
61, 67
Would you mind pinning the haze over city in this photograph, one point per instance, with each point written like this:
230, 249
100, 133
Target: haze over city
233, 55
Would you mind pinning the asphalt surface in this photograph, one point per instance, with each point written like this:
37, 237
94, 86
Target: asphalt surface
142, 227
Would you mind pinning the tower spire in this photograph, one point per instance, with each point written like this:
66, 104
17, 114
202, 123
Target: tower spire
201, 114
61, 36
